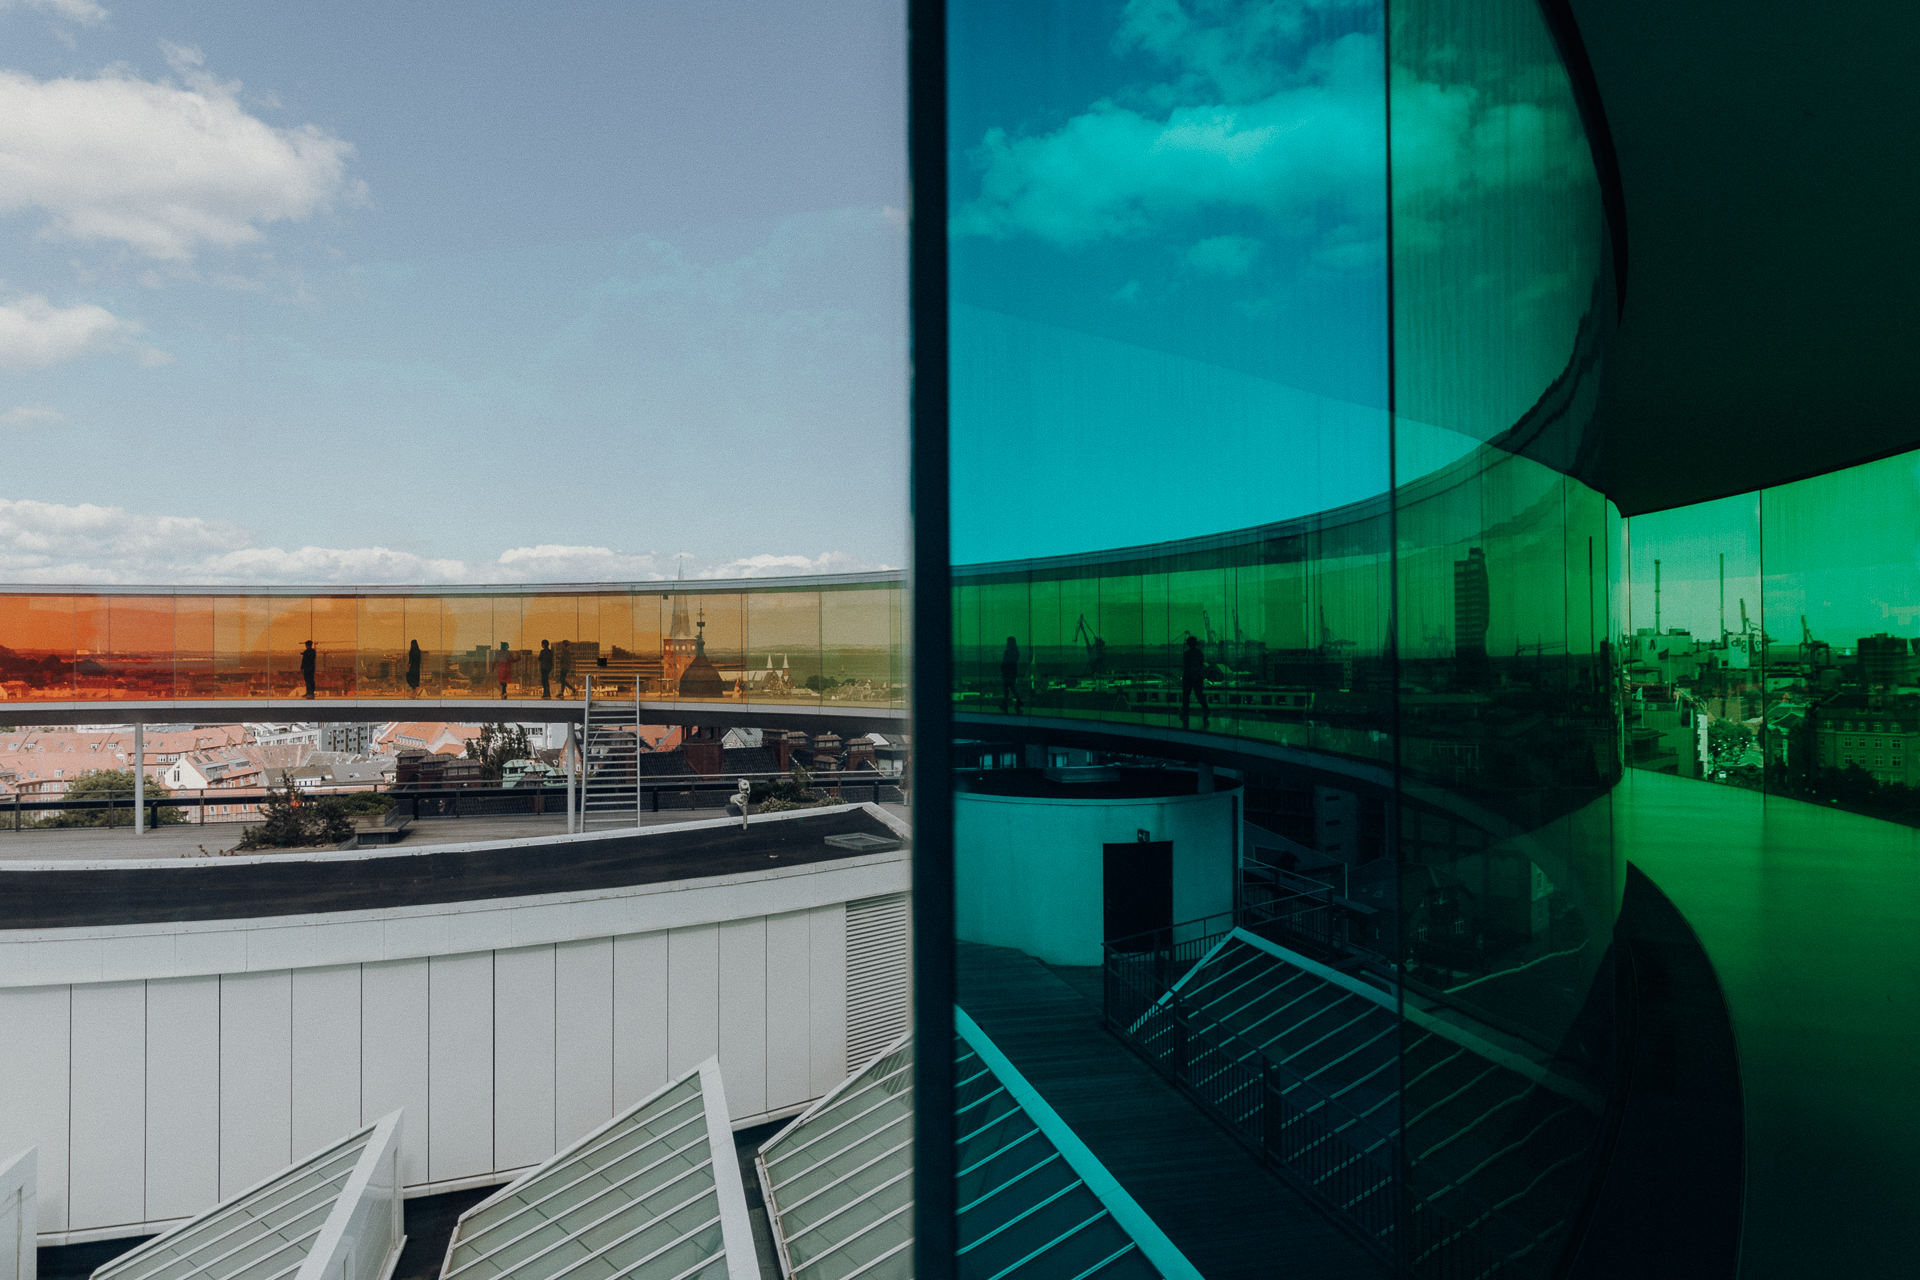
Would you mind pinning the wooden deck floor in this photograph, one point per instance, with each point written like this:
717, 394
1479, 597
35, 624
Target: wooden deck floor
1225, 1210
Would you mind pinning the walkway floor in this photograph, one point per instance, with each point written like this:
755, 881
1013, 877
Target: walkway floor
1811, 918
1222, 1207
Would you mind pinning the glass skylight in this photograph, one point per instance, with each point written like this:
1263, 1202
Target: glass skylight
1034, 1202
334, 1214
653, 1194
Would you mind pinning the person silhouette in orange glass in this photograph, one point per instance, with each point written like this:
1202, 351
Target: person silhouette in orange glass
309, 659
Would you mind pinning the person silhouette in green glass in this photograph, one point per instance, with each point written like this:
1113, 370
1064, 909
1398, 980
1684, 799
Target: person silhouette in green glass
1010, 676
1193, 681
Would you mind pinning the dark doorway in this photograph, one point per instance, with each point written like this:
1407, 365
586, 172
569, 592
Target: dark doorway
1138, 889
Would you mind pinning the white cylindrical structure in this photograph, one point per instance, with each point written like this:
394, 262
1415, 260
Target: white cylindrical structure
139, 780
1035, 875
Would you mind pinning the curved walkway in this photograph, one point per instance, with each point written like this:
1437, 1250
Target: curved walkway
1812, 920
726, 713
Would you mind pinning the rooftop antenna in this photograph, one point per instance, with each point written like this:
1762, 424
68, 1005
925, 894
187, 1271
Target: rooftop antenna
1723, 597
1656, 599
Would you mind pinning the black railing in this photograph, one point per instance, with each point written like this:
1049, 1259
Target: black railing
426, 801
1282, 1116
1349, 1163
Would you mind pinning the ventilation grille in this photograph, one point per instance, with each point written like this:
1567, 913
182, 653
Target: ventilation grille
876, 975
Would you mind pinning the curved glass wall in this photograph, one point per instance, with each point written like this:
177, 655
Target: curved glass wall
809, 642
1273, 332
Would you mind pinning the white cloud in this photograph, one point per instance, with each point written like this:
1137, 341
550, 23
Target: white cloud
1118, 171
43, 542
769, 566
1223, 255
1257, 114
163, 166
31, 415
35, 334
85, 11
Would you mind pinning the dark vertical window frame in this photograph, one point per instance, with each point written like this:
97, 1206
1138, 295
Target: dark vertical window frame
1403, 1177
930, 643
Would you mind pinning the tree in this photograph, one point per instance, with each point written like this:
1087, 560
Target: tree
496, 745
795, 791
109, 784
289, 821
1727, 738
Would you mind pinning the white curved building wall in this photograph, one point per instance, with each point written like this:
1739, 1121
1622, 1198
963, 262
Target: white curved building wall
160, 1068
1034, 871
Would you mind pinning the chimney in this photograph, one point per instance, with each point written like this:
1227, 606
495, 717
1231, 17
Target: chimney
782, 743
702, 749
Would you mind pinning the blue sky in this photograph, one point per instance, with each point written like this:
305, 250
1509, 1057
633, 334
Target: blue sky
450, 292
1169, 270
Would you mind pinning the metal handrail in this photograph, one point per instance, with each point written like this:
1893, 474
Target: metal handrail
716, 784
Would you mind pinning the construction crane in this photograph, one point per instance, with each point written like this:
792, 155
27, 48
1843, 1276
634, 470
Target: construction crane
1096, 647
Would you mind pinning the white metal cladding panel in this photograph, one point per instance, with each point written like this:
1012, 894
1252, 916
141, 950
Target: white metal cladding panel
299, 1058
256, 1077
693, 996
789, 1012
743, 1014
326, 1056
639, 1017
393, 1048
827, 954
876, 974
582, 1037
523, 1056
109, 1122
35, 1035
183, 1096
460, 1048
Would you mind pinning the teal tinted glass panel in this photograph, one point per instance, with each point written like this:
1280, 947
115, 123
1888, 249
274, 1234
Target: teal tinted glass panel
1197, 522
1168, 270
1507, 701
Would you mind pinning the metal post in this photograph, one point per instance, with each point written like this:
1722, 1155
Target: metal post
139, 779
586, 736
569, 755
639, 795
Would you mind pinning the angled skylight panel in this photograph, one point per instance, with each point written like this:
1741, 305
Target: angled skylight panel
334, 1214
839, 1180
1033, 1201
653, 1194
18, 1221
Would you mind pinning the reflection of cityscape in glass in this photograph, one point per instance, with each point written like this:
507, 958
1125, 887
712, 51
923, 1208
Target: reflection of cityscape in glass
1766, 650
788, 642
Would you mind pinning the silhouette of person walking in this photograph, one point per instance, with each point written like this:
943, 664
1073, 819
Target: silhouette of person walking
546, 670
1009, 676
1193, 681
413, 668
503, 668
308, 660
564, 668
